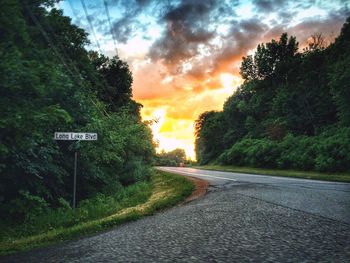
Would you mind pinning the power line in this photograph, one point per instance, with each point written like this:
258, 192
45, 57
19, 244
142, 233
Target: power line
58, 54
91, 26
108, 17
47, 38
60, 49
110, 25
73, 10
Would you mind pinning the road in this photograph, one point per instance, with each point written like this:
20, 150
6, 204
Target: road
243, 218
327, 199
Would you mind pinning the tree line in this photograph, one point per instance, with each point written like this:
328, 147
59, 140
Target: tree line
292, 111
50, 82
176, 157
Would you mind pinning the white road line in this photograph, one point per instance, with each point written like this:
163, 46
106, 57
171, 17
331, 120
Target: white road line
278, 177
274, 177
204, 175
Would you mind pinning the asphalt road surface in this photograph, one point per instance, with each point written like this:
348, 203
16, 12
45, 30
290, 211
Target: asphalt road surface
243, 218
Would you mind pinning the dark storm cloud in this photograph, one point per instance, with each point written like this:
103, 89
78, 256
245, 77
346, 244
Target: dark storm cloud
143, 2
189, 11
250, 26
186, 28
285, 16
305, 4
267, 6
125, 27
328, 26
244, 35
284, 9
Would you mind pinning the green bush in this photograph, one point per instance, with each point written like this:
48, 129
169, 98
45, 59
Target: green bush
297, 153
27, 206
333, 151
251, 152
329, 151
292, 110
45, 219
40, 95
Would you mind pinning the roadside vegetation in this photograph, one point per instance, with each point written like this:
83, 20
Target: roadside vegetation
95, 214
175, 157
50, 82
291, 113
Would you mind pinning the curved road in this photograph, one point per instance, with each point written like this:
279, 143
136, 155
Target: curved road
327, 199
243, 218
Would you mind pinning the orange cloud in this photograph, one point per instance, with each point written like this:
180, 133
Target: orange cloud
177, 92
149, 82
176, 113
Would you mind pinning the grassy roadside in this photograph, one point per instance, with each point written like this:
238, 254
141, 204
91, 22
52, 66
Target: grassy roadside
336, 177
166, 190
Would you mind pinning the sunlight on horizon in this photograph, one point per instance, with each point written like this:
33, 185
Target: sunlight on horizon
185, 58
165, 139
170, 133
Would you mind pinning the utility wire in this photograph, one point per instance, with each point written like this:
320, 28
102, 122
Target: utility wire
58, 54
61, 50
47, 38
58, 50
91, 26
73, 10
110, 25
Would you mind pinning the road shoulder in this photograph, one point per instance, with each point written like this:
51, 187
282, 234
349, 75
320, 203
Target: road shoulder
201, 188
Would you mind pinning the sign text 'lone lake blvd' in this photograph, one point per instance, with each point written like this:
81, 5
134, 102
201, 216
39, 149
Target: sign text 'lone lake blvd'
75, 136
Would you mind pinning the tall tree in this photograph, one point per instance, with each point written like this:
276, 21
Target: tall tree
292, 110
270, 59
339, 75
209, 133
48, 83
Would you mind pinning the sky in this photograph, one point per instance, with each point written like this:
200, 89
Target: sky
185, 54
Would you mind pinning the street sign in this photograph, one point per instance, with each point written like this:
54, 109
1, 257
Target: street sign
75, 136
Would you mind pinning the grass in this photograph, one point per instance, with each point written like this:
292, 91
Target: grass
163, 191
336, 177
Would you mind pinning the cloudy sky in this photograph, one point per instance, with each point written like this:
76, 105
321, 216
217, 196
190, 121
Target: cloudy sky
185, 54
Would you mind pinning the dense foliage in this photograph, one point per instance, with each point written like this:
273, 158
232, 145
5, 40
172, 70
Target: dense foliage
49, 82
292, 111
175, 157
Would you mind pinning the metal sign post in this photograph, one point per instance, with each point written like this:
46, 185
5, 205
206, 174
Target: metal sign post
75, 136
75, 177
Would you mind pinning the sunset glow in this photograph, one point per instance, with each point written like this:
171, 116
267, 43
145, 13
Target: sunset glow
185, 55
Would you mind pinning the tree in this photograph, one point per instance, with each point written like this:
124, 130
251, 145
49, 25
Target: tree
290, 108
117, 90
173, 158
269, 59
235, 113
48, 83
316, 42
339, 75
209, 132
